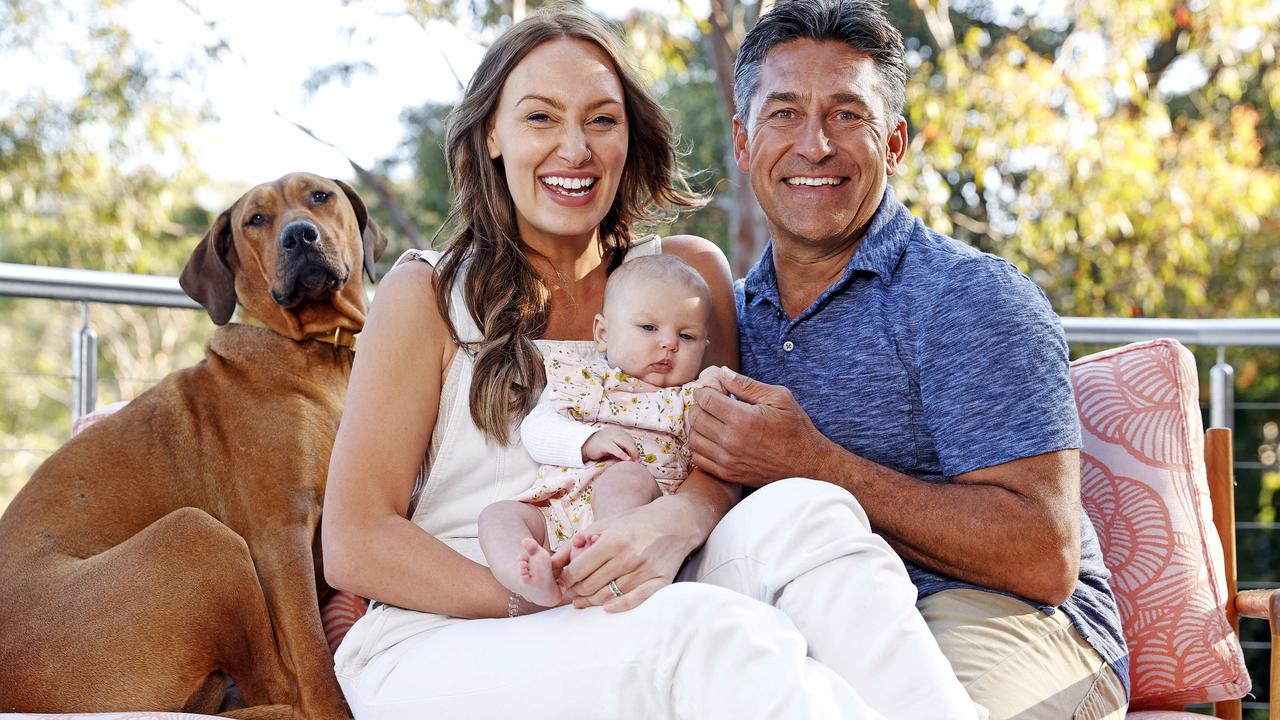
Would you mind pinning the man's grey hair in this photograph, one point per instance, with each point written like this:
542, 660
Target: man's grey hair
860, 24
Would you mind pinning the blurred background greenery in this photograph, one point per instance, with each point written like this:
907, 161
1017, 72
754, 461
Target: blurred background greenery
1124, 155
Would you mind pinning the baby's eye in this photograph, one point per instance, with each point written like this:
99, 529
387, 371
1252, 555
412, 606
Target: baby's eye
687, 337
648, 327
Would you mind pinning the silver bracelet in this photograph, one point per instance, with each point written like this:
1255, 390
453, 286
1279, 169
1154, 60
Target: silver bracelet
513, 605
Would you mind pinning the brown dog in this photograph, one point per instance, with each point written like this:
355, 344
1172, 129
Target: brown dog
173, 544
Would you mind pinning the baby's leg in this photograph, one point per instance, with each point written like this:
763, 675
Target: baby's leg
622, 487
511, 536
619, 488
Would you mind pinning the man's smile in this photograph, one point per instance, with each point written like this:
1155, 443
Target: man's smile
815, 181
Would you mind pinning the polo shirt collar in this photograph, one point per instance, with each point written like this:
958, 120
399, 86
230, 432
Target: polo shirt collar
879, 251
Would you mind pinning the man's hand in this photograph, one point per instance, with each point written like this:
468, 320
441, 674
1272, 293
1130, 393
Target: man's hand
610, 442
758, 436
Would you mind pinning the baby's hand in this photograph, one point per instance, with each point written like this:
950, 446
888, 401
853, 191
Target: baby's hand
710, 379
611, 441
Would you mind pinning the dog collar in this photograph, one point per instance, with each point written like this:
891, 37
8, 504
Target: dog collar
339, 337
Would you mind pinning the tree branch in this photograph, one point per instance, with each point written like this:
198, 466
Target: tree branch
937, 16
374, 181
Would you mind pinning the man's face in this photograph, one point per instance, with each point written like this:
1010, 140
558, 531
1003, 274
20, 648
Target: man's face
817, 143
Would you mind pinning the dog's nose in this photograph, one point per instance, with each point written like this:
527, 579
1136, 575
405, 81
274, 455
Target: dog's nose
298, 234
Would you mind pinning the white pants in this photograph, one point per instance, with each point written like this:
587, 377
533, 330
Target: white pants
813, 617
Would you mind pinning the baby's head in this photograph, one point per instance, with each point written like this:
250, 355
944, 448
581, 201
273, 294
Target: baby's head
654, 325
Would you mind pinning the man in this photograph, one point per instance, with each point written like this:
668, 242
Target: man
926, 378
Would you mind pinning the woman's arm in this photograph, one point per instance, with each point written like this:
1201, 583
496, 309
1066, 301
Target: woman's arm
644, 549
369, 547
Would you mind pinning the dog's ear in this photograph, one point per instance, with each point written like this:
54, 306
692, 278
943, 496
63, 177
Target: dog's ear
207, 278
370, 234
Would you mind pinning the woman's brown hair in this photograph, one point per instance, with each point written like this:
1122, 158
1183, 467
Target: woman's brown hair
504, 293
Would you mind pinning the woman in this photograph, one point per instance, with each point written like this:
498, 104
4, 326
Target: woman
555, 150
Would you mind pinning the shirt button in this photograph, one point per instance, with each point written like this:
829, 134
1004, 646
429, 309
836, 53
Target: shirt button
788, 346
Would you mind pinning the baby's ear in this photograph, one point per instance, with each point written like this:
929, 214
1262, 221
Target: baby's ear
598, 330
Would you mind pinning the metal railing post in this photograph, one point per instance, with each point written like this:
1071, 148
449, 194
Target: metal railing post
1222, 390
84, 367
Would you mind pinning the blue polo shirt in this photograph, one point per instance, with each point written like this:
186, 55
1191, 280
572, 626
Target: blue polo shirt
933, 359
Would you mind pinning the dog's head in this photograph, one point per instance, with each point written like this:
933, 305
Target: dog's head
291, 252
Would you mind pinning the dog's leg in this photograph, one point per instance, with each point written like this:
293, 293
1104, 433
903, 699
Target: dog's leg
153, 654
261, 712
290, 589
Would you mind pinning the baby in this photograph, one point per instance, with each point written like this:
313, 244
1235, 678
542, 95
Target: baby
609, 429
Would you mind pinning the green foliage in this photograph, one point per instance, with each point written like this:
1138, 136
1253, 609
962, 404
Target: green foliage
1062, 152
82, 185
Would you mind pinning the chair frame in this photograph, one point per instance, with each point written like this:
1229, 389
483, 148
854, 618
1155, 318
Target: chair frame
1261, 604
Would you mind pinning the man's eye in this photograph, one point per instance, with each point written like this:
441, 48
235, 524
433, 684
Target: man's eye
256, 220
320, 196
846, 116
784, 114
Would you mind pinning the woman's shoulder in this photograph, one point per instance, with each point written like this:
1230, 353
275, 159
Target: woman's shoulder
404, 304
705, 256
411, 276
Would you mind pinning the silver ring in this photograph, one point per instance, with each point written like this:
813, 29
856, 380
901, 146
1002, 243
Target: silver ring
613, 588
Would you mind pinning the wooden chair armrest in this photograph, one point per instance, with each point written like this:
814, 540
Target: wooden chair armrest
1265, 605
1261, 604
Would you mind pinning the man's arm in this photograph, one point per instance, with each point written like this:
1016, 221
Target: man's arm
1013, 526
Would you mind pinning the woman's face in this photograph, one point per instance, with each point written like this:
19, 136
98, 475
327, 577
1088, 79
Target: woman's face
561, 130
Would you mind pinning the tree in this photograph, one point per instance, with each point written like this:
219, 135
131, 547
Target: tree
81, 185
1117, 160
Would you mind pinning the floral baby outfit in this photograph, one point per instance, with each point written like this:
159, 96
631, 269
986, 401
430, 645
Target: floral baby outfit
586, 393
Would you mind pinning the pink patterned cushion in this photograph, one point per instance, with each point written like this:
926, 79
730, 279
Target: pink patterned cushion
1144, 487
339, 613
88, 419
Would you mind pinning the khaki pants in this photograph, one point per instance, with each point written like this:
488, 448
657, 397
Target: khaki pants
1020, 663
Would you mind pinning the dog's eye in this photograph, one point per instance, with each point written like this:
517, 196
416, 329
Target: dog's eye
256, 220
319, 196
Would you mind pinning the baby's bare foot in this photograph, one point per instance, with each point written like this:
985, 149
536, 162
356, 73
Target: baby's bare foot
538, 586
581, 542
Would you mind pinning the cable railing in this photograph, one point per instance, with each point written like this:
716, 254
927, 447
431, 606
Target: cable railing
92, 286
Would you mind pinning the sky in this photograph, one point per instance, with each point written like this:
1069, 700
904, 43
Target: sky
257, 87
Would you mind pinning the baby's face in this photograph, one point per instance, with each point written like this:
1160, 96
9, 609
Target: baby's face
657, 333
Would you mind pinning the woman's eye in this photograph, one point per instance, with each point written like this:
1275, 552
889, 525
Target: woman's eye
604, 121
538, 117
256, 220
319, 196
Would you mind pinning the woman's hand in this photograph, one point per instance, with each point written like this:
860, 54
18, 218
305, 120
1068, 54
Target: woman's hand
640, 551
